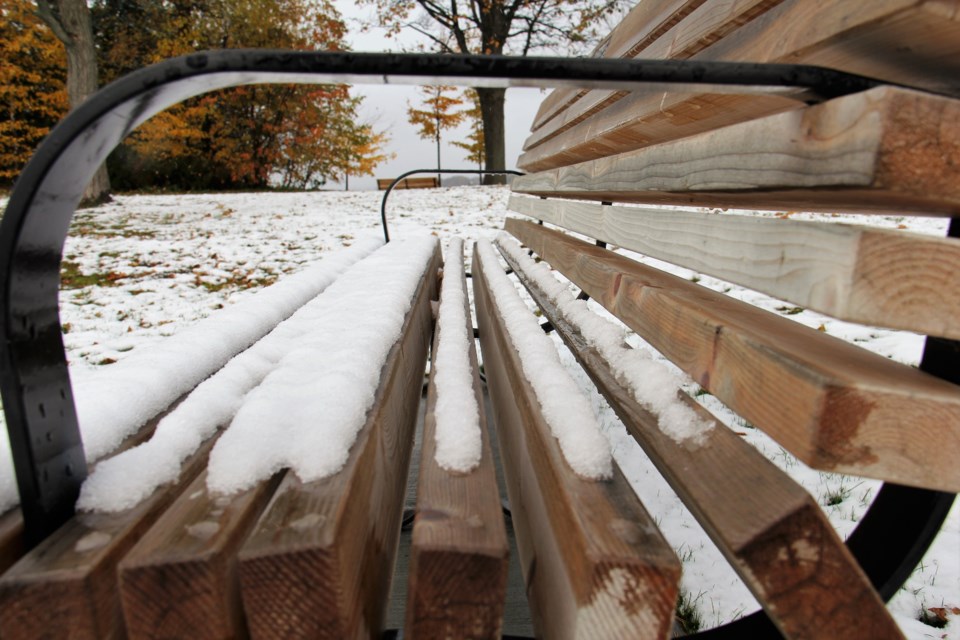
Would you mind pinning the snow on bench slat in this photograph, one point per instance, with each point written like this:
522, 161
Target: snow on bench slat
457, 415
114, 402
652, 384
308, 411
564, 406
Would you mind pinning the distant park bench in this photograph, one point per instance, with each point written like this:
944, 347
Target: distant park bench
294, 559
431, 182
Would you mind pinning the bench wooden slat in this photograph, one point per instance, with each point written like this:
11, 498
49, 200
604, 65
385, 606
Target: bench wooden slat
459, 549
645, 23
11, 538
594, 562
852, 273
319, 561
180, 580
846, 35
67, 585
835, 406
754, 512
886, 149
694, 27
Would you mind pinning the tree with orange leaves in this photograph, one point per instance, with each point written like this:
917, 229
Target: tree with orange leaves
33, 93
437, 115
474, 145
255, 136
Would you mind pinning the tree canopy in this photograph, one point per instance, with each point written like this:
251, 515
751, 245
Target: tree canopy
292, 136
33, 92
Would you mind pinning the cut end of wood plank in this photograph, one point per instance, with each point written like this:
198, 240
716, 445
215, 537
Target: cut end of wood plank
467, 602
812, 578
288, 594
626, 599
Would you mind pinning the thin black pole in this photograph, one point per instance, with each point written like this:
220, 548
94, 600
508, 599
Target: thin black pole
438, 171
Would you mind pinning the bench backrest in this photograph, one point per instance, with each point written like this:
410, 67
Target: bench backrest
429, 182
596, 157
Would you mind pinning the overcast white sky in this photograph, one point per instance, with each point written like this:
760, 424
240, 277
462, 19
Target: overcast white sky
386, 107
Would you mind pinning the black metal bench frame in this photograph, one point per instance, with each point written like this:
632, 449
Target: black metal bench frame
34, 379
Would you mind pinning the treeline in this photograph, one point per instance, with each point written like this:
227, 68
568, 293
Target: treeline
256, 136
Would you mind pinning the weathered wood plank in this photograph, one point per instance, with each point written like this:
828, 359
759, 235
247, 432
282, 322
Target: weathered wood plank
180, 580
67, 585
593, 560
873, 276
776, 536
835, 406
645, 23
880, 150
319, 561
459, 549
850, 36
693, 28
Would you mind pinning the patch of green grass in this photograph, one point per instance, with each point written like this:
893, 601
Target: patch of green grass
71, 277
790, 311
687, 616
90, 227
838, 494
700, 392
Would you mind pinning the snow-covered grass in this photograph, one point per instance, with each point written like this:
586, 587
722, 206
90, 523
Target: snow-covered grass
144, 267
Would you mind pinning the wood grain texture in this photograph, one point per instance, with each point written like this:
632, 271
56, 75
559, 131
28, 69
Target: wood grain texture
835, 406
873, 276
774, 534
180, 580
885, 149
319, 562
693, 28
851, 36
71, 577
594, 562
459, 548
645, 23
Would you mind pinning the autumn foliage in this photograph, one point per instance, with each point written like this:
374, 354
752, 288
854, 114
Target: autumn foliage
474, 144
293, 136
33, 94
438, 113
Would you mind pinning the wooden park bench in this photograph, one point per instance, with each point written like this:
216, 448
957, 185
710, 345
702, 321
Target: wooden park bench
875, 132
427, 182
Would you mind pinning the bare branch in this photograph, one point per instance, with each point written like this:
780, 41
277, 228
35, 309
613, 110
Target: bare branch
46, 13
444, 47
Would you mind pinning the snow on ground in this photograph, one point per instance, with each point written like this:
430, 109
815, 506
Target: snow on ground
144, 267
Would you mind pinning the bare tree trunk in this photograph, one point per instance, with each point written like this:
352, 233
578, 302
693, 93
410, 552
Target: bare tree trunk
494, 151
70, 22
